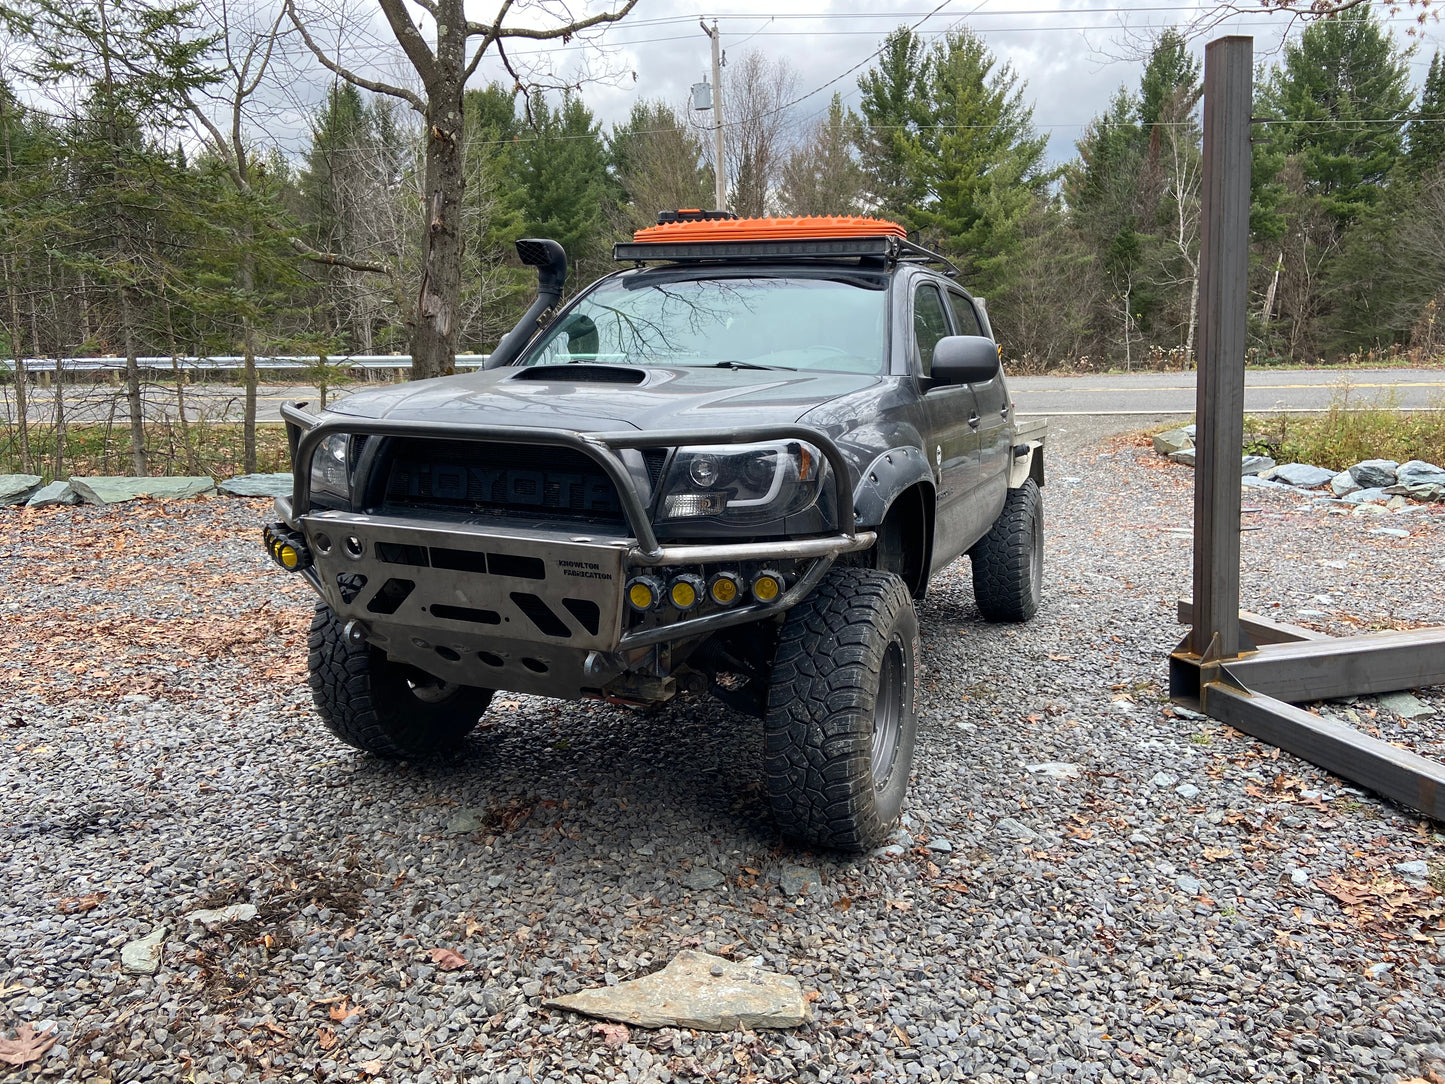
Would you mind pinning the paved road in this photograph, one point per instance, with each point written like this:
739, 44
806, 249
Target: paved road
1265, 391
1144, 394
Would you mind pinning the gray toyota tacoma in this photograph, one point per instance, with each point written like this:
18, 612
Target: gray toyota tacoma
729, 468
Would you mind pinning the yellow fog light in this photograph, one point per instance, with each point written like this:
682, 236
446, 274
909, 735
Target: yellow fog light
685, 591
643, 593
287, 555
767, 586
725, 588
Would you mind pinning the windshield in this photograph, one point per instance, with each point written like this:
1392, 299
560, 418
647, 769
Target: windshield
745, 322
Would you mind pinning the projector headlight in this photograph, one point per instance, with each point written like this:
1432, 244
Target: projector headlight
331, 471
743, 483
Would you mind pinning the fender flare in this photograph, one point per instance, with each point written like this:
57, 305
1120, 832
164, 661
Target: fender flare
885, 478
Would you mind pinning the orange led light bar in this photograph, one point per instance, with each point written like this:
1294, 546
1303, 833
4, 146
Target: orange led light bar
802, 228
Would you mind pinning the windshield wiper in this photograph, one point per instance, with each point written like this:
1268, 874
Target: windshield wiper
752, 365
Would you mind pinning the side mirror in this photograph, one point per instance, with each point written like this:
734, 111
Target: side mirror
965, 359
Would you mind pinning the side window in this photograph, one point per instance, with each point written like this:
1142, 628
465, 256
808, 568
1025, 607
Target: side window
930, 323
964, 318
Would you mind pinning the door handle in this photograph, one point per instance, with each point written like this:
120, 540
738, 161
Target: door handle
973, 420
1003, 411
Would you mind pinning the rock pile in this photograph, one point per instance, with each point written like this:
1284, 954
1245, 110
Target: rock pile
27, 489
1369, 487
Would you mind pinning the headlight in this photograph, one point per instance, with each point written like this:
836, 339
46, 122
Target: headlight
331, 471
743, 483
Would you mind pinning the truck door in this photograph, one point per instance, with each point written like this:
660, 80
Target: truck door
950, 439
991, 400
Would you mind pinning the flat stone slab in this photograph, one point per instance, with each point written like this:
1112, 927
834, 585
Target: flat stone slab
53, 494
1303, 475
1343, 483
1418, 491
236, 912
143, 957
16, 488
696, 990
113, 489
1183, 455
1405, 705
257, 485
1255, 464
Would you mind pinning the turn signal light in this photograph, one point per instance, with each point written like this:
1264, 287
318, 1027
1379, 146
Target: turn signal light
767, 586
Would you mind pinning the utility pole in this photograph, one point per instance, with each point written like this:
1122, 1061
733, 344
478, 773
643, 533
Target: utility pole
720, 174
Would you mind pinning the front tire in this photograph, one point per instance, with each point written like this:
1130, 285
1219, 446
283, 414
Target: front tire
380, 706
1008, 562
841, 719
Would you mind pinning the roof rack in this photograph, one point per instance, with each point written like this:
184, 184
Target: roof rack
694, 236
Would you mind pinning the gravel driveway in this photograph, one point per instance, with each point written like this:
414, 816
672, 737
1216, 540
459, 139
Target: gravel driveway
1182, 904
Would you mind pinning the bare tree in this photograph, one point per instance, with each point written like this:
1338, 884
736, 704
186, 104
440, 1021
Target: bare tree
443, 68
758, 92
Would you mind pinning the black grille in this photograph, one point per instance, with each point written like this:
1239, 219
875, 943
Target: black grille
471, 477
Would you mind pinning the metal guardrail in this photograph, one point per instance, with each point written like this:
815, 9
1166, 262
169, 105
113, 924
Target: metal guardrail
226, 362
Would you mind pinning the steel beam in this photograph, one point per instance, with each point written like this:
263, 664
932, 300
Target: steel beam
1384, 768
1223, 273
1378, 662
1262, 630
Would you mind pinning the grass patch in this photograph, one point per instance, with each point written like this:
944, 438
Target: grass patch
216, 449
1342, 436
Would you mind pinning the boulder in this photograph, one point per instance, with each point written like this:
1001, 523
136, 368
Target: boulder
16, 488
700, 991
1369, 509
1190, 430
257, 485
1420, 491
1255, 481
1183, 455
1171, 441
1254, 464
1419, 473
54, 493
113, 490
1303, 475
1343, 483
1374, 473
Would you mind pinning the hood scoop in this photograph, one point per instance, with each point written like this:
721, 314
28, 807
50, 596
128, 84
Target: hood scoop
579, 373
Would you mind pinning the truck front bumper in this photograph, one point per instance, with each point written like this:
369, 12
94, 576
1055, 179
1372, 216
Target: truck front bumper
539, 609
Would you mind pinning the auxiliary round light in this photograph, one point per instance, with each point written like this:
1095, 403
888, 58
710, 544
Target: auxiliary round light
685, 591
643, 593
725, 587
287, 555
767, 586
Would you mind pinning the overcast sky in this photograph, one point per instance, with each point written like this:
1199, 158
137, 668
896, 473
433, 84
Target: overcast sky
1072, 56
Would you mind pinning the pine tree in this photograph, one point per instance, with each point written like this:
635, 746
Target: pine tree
658, 166
894, 109
1427, 130
563, 169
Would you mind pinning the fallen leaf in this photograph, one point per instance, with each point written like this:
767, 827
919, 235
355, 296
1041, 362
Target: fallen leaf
448, 960
370, 1068
341, 1012
326, 1037
843, 903
25, 1047
1218, 854
79, 905
612, 1034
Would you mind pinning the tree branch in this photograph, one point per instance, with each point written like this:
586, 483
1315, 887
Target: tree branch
490, 37
496, 30
331, 259
351, 77
410, 39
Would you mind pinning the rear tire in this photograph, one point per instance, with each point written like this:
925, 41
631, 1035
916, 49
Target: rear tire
1008, 562
383, 707
841, 720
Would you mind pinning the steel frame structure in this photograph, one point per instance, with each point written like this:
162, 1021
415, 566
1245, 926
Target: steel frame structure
1240, 668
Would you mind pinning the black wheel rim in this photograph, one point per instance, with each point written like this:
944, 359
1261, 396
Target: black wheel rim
888, 714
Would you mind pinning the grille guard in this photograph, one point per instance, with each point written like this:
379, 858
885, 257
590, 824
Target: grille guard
304, 431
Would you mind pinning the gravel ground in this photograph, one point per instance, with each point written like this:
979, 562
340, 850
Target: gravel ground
1191, 905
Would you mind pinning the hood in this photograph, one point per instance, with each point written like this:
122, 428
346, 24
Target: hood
600, 398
